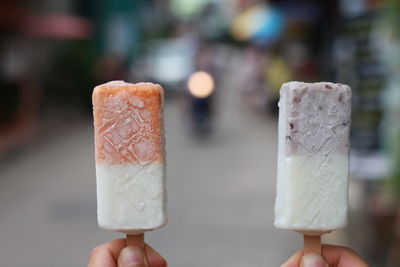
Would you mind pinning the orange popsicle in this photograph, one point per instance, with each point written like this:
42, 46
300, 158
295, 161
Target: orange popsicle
130, 157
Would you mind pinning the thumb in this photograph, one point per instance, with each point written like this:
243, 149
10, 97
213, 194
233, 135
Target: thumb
132, 256
313, 260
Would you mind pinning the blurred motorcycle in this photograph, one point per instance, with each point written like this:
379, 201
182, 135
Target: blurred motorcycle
201, 87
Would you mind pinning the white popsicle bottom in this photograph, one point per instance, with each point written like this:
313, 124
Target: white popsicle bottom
131, 198
312, 193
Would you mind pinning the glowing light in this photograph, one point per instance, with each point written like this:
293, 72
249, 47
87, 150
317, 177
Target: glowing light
201, 84
260, 23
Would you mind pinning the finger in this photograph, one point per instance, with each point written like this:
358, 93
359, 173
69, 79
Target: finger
335, 256
295, 260
313, 260
106, 255
155, 259
342, 257
132, 256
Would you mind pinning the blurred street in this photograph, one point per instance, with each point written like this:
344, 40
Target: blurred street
221, 64
221, 195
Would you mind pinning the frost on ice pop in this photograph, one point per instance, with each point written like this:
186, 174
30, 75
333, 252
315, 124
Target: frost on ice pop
130, 158
313, 157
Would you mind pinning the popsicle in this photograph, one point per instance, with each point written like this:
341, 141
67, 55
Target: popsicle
130, 157
313, 159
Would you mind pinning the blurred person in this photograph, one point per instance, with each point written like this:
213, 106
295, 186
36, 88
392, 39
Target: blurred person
332, 256
116, 253
253, 93
201, 85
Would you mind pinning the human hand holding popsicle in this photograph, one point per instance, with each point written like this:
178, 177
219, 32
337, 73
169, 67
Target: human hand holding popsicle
117, 253
332, 256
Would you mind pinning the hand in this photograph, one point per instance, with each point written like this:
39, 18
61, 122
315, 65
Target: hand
333, 256
116, 253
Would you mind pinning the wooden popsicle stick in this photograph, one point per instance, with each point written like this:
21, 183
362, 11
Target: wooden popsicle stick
137, 240
312, 244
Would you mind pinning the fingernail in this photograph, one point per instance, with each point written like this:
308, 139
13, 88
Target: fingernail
131, 257
313, 260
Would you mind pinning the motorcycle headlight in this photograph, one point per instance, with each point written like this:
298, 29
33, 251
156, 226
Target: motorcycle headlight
201, 84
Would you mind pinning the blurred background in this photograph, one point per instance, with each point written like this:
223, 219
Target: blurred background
221, 63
